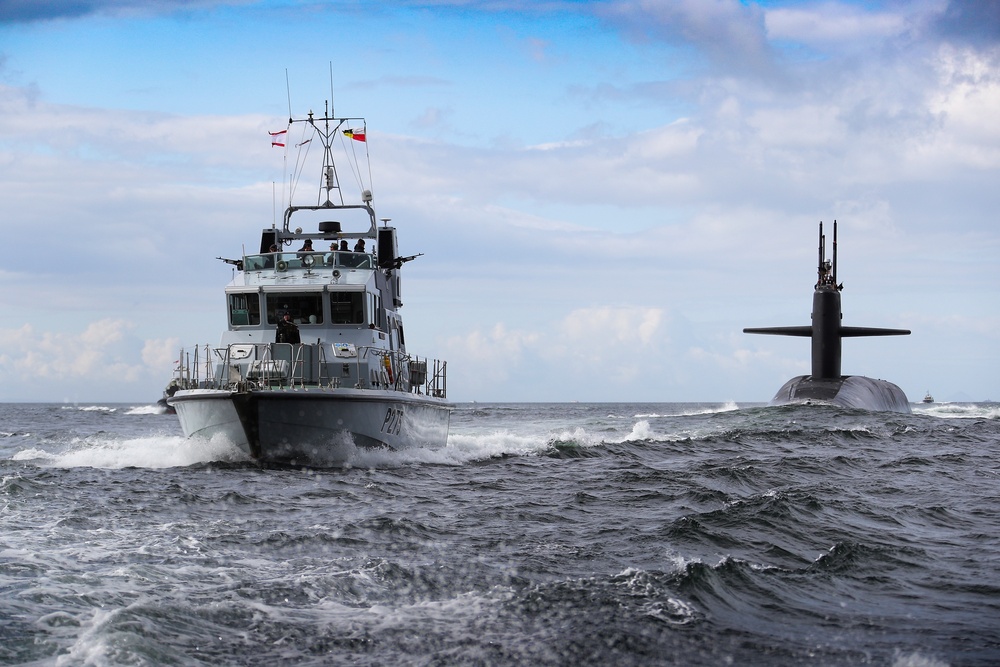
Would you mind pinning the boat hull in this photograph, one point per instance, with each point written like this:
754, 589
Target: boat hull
313, 427
852, 391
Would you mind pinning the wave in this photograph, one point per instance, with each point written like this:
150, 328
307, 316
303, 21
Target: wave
695, 410
959, 410
725, 407
146, 410
460, 450
146, 452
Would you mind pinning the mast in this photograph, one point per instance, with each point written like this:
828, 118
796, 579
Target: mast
326, 129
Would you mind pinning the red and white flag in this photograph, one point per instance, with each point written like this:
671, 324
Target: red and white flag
278, 138
357, 135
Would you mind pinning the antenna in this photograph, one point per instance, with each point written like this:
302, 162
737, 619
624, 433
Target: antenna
835, 254
822, 256
331, 89
288, 91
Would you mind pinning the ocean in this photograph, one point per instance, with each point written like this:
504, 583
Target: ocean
543, 534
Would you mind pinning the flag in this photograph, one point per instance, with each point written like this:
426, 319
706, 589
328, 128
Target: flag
278, 138
357, 135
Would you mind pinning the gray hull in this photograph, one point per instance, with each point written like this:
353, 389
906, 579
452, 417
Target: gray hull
852, 391
314, 427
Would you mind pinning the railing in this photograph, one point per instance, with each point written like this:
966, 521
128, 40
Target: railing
241, 366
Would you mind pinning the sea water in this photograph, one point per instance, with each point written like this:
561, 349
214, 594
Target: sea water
543, 534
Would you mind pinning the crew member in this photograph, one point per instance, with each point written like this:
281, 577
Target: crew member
287, 331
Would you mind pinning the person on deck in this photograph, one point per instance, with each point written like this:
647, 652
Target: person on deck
287, 331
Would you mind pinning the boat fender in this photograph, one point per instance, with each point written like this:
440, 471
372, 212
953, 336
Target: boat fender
281, 265
308, 260
388, 367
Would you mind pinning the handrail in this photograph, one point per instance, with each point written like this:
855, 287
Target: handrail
262, 367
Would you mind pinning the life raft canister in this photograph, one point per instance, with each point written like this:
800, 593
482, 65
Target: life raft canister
388, 367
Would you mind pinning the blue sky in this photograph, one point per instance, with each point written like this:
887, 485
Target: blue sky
605, 193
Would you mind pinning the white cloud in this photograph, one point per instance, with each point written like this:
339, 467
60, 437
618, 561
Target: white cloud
831, 23
103, 359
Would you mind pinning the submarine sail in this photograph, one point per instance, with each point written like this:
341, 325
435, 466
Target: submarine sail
826, 384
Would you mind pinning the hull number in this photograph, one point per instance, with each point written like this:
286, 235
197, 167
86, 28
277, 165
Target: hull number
393, 421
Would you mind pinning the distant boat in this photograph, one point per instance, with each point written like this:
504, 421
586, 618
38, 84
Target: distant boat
826, 385
181, 380
928, 398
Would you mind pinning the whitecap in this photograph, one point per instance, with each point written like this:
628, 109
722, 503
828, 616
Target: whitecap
147, 452
145, 410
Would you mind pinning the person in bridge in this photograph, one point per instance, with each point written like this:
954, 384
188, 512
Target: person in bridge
287, 331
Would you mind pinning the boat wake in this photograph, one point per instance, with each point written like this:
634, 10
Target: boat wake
146, 452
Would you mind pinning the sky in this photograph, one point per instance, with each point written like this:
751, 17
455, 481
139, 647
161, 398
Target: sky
605, 193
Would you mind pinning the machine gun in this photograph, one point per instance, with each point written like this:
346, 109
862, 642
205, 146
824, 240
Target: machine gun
238, 263
399, 261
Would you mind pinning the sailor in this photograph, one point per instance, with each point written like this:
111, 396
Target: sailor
328, 258
359, 246
307, 246
287, 331
343, 246
269, 259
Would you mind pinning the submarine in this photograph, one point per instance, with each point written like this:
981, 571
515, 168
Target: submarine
826, 386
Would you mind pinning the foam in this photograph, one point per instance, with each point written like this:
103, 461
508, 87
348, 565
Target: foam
145, 410
146, 452
959, 410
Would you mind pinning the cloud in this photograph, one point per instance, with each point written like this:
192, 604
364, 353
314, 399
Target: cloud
972, 22
103, 358
601, 346
27, 11
731, 33
24, 11
831, 24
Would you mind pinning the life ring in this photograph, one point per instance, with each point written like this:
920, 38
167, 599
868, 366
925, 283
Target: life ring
388, 367
281, 265
308, 260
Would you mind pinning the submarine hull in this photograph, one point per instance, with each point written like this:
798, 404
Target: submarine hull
850, 391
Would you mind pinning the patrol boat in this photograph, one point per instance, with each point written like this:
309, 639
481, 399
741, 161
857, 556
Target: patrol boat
826, 385
314, 364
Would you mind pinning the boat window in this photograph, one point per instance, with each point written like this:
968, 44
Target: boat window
244, 309
347, 307
373, 308
306, 308
354, 260
258, 262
